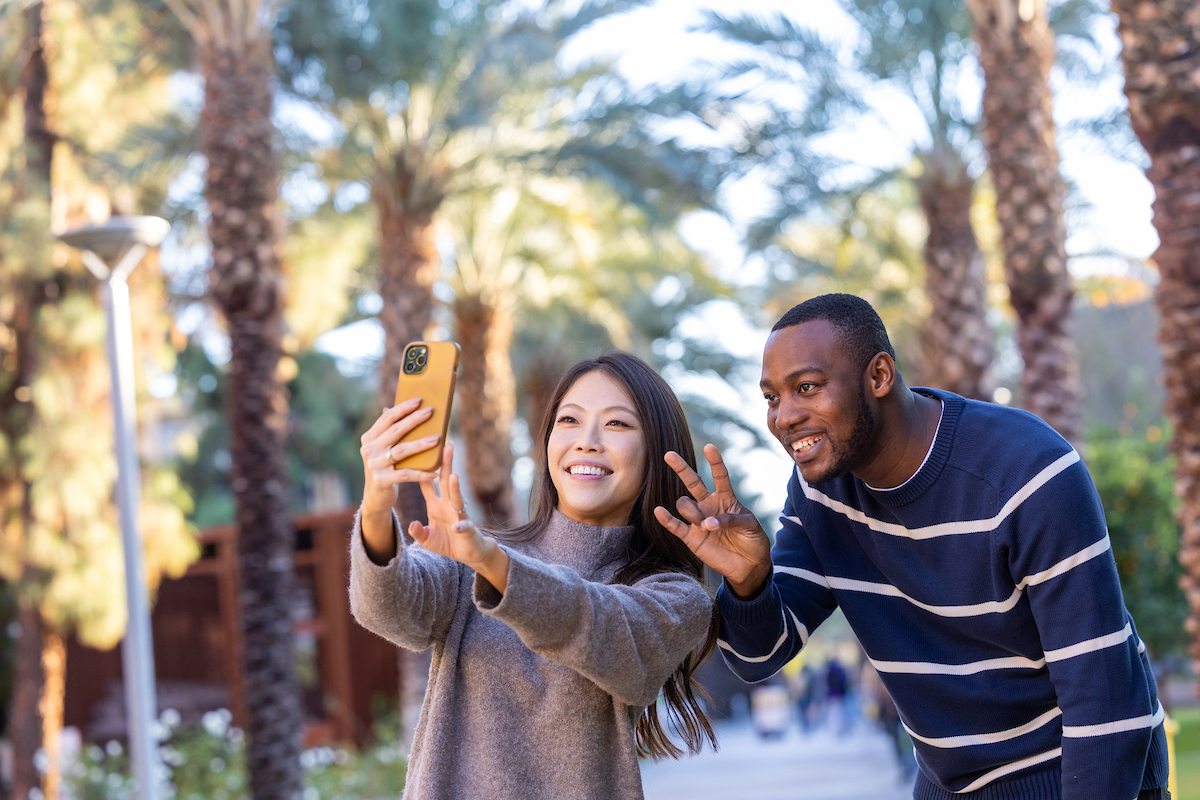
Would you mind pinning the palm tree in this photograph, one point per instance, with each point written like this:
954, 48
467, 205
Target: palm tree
431, 95
236, 135
913, 49
1160, 56
1016, 51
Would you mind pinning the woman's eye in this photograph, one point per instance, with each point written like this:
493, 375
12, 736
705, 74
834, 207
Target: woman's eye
564, 419
622, 423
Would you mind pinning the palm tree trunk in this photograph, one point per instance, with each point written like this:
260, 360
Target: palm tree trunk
17, 411
487, 400
24, 720
407, 270
236, 136
408, 262
1016, 51
956, 342
1162, 54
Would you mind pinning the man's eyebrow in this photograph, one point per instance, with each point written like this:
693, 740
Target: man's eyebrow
792, 376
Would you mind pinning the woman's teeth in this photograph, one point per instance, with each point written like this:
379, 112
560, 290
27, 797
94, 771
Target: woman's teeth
580, 469
800, 445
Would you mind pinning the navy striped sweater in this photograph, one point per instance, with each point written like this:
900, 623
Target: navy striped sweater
984, 592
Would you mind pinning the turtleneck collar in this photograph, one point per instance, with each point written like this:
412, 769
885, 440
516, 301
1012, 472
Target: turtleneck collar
582, 547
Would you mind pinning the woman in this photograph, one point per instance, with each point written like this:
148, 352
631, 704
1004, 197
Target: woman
553, 640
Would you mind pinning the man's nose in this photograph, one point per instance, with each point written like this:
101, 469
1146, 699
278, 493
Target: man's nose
790, 414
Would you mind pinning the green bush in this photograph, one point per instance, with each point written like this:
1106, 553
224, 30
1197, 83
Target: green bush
208, 763
1135, 478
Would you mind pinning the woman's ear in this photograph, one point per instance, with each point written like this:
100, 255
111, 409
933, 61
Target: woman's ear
881, 375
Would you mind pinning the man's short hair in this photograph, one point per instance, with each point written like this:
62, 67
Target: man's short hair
859, 328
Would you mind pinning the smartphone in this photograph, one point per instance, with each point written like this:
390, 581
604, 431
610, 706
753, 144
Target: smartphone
429, 371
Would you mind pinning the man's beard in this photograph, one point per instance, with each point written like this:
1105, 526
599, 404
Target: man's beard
859, 448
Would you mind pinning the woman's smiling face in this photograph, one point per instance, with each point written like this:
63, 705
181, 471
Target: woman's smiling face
597, 452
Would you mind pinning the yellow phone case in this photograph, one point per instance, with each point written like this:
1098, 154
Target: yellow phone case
432, 379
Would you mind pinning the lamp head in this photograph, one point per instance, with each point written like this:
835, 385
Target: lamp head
110, 239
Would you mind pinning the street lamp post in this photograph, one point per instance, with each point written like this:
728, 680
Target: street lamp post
124, 241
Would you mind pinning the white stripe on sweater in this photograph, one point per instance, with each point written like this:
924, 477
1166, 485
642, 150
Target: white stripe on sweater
1067, 564
800, 629
987, 607
1008, 769
1119, 726
1007, 662
972, 739
1090, 646
943, 528
933, 668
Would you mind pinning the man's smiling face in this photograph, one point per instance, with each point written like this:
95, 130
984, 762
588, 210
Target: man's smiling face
817, 405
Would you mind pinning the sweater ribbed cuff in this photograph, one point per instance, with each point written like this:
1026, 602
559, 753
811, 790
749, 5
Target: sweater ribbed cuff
1044, 785
760, 610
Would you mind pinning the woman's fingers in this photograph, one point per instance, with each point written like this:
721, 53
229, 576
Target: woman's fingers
404, 425
447, 470
417, 531
399, 452
389, 417
456, 496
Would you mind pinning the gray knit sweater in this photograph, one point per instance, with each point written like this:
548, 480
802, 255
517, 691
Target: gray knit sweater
536, 693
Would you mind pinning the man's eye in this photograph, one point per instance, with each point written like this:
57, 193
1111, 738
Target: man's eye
770, 398
806, 387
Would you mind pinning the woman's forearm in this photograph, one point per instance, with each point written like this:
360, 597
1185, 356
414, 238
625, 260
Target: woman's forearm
494, 567
379, 536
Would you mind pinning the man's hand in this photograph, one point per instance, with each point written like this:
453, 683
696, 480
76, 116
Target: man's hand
719, 529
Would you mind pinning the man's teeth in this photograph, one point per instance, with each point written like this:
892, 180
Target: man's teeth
800, 445
581, 469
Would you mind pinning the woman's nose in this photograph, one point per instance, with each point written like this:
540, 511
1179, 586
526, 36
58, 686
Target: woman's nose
589, 439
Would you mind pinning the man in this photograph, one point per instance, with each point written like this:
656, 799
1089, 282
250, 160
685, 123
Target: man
966, 545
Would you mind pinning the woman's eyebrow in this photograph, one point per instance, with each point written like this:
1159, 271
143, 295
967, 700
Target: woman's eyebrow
626, 409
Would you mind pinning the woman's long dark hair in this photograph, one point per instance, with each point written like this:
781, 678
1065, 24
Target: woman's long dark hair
652, 548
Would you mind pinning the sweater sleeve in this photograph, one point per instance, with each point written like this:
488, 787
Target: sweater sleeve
625, 639
1105, 690
408, 601
760, 635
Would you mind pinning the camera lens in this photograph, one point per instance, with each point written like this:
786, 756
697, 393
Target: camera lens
421, 359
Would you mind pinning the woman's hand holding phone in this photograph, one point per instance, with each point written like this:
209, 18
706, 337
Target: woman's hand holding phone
450, 531
381, 449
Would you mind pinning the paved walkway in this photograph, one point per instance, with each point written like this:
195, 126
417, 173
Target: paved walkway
814, 766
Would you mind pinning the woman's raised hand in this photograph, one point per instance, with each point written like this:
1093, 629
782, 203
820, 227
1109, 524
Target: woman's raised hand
450, 532
381, 449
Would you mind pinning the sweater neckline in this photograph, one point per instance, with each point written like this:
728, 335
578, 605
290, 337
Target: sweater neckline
582, 547
935, 461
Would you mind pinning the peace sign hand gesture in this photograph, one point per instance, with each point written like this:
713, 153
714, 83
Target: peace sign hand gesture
451, 533
722, 532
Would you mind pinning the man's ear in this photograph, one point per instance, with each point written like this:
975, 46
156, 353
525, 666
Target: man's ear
881, 375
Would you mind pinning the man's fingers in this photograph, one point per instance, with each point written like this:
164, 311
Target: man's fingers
673, 525
689, 510
688, 475
720, 473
